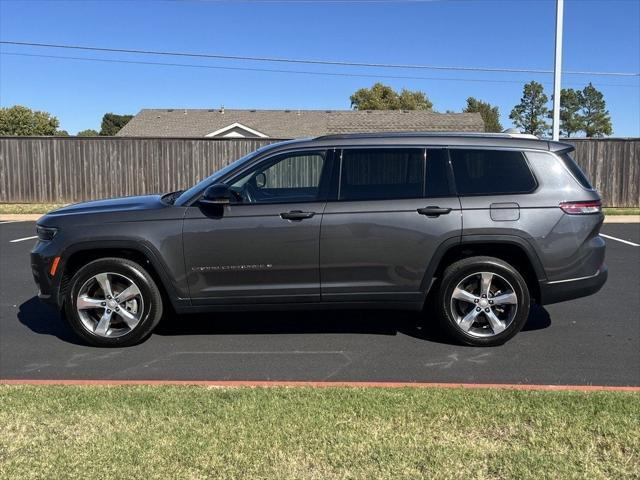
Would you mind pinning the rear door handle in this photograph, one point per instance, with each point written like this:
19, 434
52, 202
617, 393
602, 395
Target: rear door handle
432, 211
296, 215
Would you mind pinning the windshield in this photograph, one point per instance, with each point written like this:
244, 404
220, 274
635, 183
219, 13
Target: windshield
210, 180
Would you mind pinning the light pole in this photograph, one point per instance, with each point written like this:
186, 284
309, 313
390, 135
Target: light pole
557, 70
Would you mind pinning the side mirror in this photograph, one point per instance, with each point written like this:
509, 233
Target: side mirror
218, 194
261, 180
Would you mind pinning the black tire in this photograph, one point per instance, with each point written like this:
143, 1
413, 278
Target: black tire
462, 269
152, 301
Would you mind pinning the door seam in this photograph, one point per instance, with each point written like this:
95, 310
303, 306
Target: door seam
320, 251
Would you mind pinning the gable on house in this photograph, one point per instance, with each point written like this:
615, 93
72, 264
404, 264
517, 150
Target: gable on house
283, 124
236, 130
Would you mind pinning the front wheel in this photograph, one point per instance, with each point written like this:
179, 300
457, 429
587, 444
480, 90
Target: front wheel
113, 302
483, 301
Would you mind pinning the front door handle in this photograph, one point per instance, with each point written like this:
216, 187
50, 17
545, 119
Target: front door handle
296, 215
432, 211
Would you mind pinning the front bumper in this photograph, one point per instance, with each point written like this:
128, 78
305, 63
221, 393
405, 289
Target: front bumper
562, 290
48, 285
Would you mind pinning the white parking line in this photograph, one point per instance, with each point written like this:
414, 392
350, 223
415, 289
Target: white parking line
620, 240
10, 221
23, 239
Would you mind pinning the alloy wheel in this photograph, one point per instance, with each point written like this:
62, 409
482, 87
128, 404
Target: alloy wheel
109, 305
484, 304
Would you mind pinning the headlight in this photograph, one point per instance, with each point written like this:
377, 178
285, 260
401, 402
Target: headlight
46, 234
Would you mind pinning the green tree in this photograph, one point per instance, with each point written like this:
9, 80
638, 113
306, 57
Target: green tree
87, 133
594, 116
383, 97
570, 119
23, 121
490, 114
61, 133
414, 100
530, 114
112, 123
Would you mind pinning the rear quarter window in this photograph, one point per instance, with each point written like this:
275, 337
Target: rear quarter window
575, 170
491, 172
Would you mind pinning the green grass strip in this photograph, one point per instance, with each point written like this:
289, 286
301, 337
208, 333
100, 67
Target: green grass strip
18, 208
305, 433
621, 211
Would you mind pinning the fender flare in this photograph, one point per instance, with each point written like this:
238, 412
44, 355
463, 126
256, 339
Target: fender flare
140, 246
471, 240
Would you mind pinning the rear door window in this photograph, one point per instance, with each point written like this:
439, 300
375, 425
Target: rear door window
382, 173
491, 172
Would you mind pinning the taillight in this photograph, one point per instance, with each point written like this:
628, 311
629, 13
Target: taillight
581, 208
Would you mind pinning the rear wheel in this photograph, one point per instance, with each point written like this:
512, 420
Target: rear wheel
113, 302
483, 301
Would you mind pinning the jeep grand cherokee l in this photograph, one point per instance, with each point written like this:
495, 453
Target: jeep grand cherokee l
487, 223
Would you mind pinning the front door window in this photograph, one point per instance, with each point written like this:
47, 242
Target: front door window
290, 178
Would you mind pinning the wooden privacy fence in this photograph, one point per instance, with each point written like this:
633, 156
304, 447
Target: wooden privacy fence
613, 166
72, 169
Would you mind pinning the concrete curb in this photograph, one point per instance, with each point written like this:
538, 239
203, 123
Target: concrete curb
31, 217
622, 219
271, 384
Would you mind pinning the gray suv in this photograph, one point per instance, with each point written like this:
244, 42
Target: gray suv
482, 224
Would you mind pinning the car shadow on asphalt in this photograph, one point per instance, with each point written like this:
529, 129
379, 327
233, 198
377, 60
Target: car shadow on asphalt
373, 322
45, 320
420, 325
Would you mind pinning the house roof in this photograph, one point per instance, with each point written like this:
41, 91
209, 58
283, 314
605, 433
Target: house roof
294, 123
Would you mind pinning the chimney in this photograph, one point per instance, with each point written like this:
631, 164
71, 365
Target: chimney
222, 109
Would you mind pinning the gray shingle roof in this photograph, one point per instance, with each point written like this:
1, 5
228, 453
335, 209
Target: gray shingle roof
295, 123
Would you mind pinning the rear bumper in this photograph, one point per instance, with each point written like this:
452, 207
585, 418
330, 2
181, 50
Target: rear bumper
562, 290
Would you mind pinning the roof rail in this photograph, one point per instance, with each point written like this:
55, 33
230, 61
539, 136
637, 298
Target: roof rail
506, 134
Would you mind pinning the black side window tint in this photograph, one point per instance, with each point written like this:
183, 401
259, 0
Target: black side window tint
381, 174
482, 172
576, 171
437, 177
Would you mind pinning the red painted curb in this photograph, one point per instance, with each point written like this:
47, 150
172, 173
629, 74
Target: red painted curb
268, 383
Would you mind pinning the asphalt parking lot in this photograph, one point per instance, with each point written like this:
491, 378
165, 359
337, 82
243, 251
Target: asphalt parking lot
590, 341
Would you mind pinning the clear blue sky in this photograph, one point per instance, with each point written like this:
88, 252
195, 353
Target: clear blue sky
599, 36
